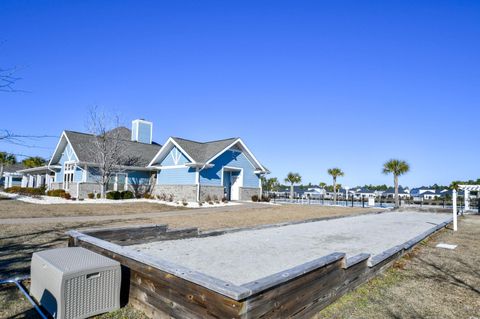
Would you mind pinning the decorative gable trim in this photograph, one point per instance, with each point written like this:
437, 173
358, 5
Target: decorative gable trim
166, 148
57, 148
248, 154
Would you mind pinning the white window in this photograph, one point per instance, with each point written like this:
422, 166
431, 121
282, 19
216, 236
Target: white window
68, 171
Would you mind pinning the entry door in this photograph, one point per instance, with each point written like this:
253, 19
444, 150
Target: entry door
235, 189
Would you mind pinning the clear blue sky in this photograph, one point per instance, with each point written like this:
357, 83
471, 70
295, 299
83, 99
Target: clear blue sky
307, 84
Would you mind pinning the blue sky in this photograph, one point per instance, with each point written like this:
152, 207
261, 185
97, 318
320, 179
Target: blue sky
307, 84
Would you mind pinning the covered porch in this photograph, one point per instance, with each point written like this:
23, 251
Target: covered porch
36, 177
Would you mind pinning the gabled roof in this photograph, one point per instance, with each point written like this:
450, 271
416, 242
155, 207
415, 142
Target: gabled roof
202, 152
82, 142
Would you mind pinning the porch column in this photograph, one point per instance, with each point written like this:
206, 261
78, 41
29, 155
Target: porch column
466, 194
24, 181
454, 209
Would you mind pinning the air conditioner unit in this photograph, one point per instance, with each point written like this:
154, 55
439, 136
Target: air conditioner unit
75, 282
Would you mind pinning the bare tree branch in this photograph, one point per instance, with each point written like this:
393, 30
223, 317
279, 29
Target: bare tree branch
23, 140
109, 149
8, 80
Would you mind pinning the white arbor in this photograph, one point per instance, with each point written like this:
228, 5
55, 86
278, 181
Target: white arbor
467, 189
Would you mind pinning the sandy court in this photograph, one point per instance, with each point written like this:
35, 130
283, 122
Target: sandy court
249, 255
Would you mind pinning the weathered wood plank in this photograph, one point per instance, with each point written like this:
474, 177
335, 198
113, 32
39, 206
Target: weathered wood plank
223, 287
292, 273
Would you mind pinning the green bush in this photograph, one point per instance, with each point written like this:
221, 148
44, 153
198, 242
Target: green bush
255, 198
127, 195
114, 195
67, 195
265, 198
99, 195
91, 195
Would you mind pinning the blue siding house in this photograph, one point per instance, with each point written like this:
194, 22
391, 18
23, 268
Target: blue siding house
185, 169
197, 170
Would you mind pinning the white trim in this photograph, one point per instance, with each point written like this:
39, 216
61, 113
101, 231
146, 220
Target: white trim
58, 145
240, 180
164, 149
170, 167
239, 140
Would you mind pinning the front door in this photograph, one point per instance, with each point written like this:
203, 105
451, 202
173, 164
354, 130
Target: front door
235, 188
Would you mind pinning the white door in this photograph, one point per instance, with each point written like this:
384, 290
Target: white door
235, 188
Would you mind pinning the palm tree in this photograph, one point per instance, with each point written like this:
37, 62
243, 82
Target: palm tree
397, 168
322, 184
335, 172
293, 178
269, 184
6, 159
33, 161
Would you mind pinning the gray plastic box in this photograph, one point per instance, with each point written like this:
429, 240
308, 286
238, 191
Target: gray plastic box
75, 282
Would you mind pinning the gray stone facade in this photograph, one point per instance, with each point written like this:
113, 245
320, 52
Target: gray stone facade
212, 191
179, 192
246, 193
78, 190
56, 185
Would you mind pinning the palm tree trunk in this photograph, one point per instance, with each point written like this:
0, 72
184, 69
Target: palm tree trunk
334, 191
291, 191
395, 182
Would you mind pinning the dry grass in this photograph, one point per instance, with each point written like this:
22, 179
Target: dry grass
17, 209
253, 216
430, 282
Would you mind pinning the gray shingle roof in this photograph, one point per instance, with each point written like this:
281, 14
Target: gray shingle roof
82, 143
202, 152
13, 168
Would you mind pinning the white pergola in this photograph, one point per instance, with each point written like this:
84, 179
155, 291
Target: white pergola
467, 189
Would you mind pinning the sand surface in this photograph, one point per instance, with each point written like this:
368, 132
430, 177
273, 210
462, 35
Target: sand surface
249, 255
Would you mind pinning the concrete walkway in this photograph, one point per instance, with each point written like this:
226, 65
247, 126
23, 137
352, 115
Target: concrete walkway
82, 219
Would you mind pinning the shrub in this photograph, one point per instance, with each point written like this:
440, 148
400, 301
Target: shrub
255, 198
224, 199
99, 195
91, 195
26, 191
208, 199
265, 198
114, 195
127, 195
200, 204
170, 197
184, 202
67, 195
215, 198
162, 197
56, 193
147, 196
